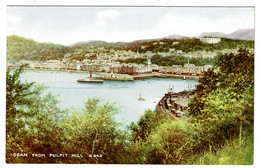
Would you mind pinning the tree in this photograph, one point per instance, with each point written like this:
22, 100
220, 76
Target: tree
17, 95
94, 132
170, 143
223, 102
32, 120
148, 121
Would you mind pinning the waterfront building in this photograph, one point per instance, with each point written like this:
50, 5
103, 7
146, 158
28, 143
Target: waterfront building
176, 69
154, 67
188, 69
140, 69
128, 70
162, 69
115, 69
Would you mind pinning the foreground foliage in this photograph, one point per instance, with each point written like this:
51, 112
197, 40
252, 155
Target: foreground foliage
235, 152
35, 125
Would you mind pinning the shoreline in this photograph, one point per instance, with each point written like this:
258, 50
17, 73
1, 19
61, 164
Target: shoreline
135, 77
160, 75
54, 70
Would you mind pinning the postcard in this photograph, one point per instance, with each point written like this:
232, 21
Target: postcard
167, 85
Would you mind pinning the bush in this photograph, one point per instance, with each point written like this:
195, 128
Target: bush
170, 143
235, 152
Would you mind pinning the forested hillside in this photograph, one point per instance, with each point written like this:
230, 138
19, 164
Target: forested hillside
188, 45
20, 48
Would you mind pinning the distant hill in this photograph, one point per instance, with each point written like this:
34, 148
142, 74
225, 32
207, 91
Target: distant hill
242, 34
19, 48
213, 34
110, 44
175, 37
98, 43
94, 43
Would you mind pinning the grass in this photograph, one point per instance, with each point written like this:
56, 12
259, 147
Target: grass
236, 152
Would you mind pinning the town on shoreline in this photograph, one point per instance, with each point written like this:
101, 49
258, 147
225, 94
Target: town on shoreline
152, 59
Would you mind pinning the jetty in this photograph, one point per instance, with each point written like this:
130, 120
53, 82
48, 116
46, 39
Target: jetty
115, 77
161, 75
90, 80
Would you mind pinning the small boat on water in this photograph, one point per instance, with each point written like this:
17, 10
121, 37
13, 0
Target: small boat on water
184, 77
141, 98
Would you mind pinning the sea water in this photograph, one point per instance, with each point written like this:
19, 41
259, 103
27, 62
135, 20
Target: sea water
124, 94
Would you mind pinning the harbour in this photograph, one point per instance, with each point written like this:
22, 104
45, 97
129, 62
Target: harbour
124, 94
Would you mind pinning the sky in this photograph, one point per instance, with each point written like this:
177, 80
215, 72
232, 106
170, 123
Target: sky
67, 25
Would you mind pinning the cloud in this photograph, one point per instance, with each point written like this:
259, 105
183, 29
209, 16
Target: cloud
13, 20
67, 25
105, 17
193, 21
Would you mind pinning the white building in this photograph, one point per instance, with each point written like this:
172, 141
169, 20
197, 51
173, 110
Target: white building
210, 40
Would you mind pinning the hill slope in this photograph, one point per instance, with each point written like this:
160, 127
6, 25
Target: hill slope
236, 152
241, 34
19, 48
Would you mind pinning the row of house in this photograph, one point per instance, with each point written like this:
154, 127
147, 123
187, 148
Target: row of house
187, 69
116, 67
131, 69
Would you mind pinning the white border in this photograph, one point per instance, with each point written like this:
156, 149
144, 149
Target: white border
136, 2
3, 6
